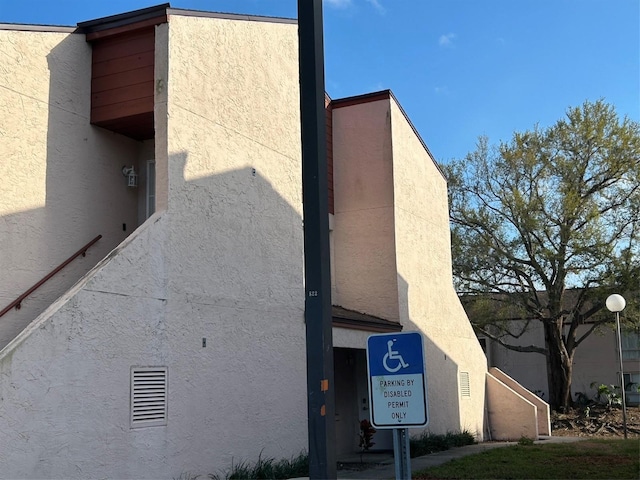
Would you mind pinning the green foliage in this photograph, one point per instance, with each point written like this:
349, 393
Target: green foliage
427, 442
268, 469
607, 393
592, 459
525, 441
545, 227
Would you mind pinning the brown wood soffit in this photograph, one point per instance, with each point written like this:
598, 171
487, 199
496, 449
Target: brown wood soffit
353, 320
122, 86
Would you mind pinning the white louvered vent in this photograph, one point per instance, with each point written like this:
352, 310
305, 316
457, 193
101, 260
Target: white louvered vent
465, 389
148, 396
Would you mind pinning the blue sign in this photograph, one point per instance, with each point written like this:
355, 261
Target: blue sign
397, 383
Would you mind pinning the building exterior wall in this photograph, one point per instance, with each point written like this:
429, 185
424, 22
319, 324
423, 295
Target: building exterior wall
64, 381
209, 287
595, 361
235, 207
426, 297
61, 179
393, 253
363, 234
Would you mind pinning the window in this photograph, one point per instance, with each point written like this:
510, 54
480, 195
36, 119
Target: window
630, 345
151, 187
631, 383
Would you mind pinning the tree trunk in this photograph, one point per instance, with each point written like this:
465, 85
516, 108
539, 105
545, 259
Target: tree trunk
559, 368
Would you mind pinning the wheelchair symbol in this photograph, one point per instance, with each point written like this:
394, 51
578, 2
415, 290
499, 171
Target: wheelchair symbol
393, 355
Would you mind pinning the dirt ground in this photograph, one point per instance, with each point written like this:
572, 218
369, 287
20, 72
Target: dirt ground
596, 421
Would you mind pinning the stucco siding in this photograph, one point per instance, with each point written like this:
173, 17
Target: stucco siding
211, 287
511, 415
363, 235
65, 379
427, 299
235, 208
61, 179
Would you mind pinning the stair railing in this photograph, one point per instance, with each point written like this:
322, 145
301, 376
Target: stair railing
17, 303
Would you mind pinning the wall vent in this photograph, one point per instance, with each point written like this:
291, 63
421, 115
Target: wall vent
465, 388
148, 396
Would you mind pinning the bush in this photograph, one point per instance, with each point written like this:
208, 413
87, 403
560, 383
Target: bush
525, 441
429, 443
267, 469
610, 393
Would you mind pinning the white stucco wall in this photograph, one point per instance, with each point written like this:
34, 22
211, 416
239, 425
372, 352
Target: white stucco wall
221, 261
60, 178
235, 198
64, 381
363, 235
393, 253
426, 297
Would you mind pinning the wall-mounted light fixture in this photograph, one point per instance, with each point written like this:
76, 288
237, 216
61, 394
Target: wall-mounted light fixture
131, 175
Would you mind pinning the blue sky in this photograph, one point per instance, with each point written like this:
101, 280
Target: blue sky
459, 68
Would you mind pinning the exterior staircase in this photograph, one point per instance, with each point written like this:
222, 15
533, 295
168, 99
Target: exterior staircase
514, 412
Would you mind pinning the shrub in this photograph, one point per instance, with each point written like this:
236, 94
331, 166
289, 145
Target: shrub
427, 442
525, 441
267, 469
611, 393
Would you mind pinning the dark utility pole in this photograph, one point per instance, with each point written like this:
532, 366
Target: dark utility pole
317, 269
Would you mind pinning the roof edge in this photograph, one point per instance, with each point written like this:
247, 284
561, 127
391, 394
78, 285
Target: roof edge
415, 130
352, 319
365, 326
122, 19
230, 16
23, 27
386, 95
364, 98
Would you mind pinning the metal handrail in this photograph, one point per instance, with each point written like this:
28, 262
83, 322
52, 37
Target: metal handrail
17, 303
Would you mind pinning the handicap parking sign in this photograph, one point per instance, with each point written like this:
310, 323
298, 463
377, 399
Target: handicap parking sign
397, 382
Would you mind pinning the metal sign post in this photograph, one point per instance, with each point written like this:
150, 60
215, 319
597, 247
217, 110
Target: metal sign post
397, 390
401, 453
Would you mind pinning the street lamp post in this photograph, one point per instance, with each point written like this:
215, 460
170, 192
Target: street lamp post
616, 303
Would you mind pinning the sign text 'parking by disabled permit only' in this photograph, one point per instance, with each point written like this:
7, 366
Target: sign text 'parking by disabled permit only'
397, 382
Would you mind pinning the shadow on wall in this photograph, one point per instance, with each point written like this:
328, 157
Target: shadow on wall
441, 372
235, 266
230, 250
237, 223
74, 171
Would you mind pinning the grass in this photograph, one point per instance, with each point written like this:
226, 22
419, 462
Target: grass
268, 469
589, 459
429, 443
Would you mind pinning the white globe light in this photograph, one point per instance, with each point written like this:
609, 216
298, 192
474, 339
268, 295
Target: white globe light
616, 303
